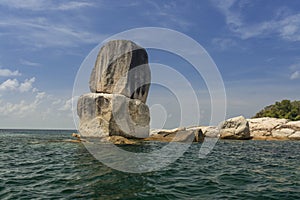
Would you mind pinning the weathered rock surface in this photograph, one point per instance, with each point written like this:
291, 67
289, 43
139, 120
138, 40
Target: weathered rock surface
235, 128
121, 68
103, 115
295, 125
193, 134
262, 127
120, 140
295, 136
274, 129
210, 131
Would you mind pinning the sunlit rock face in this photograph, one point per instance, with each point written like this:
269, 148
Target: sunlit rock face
119, 86
235, 128
121, 68
103, 115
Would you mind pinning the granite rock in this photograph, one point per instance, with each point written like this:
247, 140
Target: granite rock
211, 131
103, 115
186, 135
235, 128
121, 68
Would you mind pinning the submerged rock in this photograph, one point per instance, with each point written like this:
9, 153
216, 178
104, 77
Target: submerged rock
121, 68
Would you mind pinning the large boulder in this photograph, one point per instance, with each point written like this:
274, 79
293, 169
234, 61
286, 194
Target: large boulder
263, 127
267, 128
121, 68
235, 128
103, 115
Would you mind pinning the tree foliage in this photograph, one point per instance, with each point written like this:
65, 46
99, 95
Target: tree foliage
285, 109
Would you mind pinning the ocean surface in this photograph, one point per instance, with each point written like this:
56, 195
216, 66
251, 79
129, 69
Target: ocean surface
39, 164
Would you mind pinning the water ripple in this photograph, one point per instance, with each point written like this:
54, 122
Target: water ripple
38, 165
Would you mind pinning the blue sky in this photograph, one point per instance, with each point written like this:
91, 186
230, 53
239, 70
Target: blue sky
255, 45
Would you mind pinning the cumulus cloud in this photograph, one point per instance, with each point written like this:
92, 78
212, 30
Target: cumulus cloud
10, 84
67, 104
22, 108
32, 107
295, 75
8, 72
26, 85
14, 85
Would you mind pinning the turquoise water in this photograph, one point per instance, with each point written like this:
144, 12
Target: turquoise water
39, 164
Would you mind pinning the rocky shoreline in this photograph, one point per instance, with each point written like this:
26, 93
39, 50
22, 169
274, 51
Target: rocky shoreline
238, 128
115, 109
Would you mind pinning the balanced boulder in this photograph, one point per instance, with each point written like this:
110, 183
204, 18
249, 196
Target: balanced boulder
121, 68
119, 84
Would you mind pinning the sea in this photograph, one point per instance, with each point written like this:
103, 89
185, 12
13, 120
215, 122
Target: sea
43, 164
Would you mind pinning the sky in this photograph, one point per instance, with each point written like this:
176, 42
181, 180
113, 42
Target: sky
254, 44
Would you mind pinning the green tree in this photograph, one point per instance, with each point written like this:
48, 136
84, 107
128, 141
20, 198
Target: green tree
285, 109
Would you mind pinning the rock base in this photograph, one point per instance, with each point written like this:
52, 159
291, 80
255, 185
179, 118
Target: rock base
103, 115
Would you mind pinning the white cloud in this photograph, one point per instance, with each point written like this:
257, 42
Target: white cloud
14, 85
23, 105
26, 85
67, 104
74, 5
170, 12
41, 33
40, 5
7, 72
36, 111
28, 4
29, 63
295, 75
9, 84
21, 109
223, 43
285, 26
289, 28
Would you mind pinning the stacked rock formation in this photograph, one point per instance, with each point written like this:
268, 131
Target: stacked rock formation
119, 86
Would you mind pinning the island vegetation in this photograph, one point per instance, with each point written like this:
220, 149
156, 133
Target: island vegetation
285, 109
